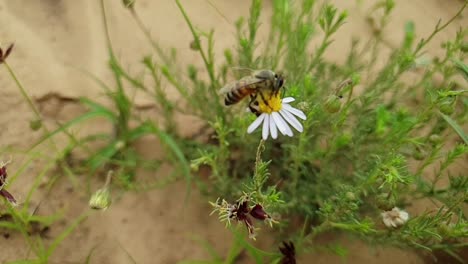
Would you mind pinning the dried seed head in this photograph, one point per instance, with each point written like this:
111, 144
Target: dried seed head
395, 217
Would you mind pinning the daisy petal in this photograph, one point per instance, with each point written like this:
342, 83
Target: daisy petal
273, 129
295, 111
255, 123
279, 122
291, 119
289, 131
265, 130
288, 100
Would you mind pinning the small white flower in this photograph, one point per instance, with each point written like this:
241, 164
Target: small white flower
395, 217
281, 117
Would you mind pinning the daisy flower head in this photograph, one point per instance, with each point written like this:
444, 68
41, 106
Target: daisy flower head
277, 114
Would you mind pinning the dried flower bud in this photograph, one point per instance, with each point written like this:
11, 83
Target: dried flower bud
395, 217
3, 182
332, 104
4, 55
289, 253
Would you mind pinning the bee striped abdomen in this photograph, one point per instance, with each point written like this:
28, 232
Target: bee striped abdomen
236, 95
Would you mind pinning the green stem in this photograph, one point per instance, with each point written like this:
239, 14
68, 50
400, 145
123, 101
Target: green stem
208, 65
147, 33
23, 92
438, 29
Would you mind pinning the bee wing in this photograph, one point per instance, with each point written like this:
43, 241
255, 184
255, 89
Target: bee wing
241, 71
246, 81
262, 74
265, 74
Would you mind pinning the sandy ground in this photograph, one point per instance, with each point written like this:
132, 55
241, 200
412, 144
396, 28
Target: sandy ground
56, 39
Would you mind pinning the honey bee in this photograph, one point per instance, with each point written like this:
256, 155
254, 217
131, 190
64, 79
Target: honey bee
263, 83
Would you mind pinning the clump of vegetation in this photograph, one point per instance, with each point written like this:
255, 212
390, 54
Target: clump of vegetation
370, 144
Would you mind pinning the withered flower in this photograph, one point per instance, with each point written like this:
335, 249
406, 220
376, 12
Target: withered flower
240, 212
4, 55
3, 182
289, 253
395, 218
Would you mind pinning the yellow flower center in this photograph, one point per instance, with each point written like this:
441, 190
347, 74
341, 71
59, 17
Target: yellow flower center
268, 103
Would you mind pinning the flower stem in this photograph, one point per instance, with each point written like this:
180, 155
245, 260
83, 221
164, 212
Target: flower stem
208, 65
23, 91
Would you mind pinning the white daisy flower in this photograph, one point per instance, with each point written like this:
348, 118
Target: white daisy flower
277, 114
395, 217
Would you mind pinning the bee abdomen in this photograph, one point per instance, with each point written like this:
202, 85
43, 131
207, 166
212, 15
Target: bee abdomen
235, 96
231, 98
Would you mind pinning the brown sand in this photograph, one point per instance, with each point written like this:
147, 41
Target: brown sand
56, 39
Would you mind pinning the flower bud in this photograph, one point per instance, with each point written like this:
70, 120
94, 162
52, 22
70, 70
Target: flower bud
447, 105
258, 213
194, 166
304, 106
332, 104
100, 200
35, 124
435, 138
194, 45
419, 154
351, 196
192, 72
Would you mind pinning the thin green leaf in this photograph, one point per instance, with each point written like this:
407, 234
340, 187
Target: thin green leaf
177, 151
103, 155
456, 127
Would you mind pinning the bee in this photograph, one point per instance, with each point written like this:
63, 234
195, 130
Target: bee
263, 83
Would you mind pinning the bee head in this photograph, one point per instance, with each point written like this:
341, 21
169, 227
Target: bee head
279, 81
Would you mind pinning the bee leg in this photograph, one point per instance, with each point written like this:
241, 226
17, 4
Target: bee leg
264, 100
253, 106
